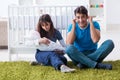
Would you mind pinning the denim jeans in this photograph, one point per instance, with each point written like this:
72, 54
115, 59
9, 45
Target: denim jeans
50, 58
90, 58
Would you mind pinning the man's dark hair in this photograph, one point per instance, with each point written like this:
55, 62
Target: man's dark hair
81, 10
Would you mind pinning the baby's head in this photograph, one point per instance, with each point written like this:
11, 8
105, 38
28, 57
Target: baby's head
34, 34
31, 36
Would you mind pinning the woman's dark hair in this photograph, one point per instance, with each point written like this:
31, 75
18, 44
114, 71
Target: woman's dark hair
81, 10
43, 20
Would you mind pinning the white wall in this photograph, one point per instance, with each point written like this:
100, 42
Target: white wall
112, 7
112, 11
26, 2
61, 2
4, 6
112, 15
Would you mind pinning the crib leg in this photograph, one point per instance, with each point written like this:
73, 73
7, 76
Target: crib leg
10, 57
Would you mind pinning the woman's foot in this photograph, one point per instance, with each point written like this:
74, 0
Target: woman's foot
33, 63
65, 68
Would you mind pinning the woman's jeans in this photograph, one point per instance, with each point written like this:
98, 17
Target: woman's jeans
90, 58
50, 58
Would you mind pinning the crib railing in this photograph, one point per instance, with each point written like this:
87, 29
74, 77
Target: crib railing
22, 19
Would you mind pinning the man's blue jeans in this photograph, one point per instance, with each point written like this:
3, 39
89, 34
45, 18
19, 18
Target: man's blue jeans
90, 58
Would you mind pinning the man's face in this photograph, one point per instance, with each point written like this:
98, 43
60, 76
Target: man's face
81, 19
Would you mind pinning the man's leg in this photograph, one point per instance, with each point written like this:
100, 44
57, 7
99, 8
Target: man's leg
106, 47
76, 55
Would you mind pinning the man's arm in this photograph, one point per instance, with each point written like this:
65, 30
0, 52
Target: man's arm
71, 35
95, 34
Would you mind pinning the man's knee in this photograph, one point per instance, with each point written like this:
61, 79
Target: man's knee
70, 49
110, 43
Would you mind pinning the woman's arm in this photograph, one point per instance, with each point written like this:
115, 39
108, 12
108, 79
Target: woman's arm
62, 42
44, 40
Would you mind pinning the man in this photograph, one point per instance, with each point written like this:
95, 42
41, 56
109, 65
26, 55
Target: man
82, 38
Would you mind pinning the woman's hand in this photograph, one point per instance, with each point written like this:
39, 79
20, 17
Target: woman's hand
61, 52
44, 40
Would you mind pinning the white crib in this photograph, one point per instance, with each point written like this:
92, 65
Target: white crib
22, 19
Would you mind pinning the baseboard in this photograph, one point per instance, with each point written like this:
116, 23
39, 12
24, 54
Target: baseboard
3, 47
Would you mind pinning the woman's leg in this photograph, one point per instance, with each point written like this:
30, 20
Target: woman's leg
48, 58
43, 57
63, 59
53, 59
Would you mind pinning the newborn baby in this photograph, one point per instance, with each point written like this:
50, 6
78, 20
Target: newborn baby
32, 39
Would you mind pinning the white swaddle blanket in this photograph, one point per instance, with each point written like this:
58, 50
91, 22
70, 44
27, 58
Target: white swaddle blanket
32, 39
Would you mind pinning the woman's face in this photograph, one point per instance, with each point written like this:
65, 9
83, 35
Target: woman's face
46, 26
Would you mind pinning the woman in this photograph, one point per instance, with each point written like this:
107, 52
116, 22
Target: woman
50, 58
